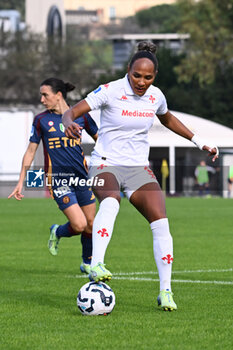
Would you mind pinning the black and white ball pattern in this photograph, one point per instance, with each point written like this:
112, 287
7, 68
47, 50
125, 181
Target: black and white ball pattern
96, 299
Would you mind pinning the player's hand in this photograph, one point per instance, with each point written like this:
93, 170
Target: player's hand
17, 193
73, 131
212, 152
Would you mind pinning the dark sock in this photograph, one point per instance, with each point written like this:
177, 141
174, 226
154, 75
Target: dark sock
65, 231
86, 240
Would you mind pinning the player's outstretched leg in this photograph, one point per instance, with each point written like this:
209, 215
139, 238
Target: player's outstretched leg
53, 240
165, 300
99, 273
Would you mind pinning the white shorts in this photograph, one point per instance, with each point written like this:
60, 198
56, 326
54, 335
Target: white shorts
129, 178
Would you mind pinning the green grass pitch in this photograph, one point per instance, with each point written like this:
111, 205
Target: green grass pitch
38, 291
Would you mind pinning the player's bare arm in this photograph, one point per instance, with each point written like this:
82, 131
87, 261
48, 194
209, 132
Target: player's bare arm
26, 163
175, 125
73, 130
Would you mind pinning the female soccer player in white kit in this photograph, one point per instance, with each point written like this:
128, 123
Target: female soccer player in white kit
120, 158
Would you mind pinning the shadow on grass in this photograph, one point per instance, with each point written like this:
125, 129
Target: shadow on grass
32, 298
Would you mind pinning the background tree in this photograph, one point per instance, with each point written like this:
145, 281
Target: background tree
210, 48
159, 19
21, 65
211, 101
79, 62
27, 59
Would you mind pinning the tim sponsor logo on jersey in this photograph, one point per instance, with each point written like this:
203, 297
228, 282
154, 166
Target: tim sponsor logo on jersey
57, 142
143, 114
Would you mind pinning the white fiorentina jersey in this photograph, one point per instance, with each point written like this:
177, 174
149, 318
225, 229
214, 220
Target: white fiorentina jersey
125, 120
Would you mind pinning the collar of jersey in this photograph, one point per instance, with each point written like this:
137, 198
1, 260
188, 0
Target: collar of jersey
129, 91
52, 112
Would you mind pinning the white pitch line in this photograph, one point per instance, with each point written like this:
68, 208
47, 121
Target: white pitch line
129, 276
175, 281
173, 272
148, 279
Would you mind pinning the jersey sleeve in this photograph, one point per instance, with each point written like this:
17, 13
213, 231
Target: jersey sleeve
89, 124
163, 105
35, 135
98, 98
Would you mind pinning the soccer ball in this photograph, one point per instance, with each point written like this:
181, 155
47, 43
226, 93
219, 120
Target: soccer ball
96, 299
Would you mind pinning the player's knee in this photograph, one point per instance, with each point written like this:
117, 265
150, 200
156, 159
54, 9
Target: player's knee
90, 221
89, 224
157, 216
79, 226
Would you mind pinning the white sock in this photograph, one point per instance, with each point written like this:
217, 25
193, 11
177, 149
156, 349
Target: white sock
102, 228
163, 251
